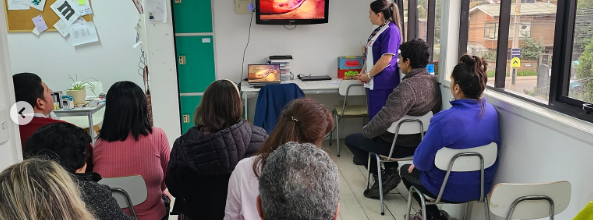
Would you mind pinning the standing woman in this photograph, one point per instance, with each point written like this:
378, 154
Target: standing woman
380, 72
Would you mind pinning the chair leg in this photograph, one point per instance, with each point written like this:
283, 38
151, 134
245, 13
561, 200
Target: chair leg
467, 211
338, 134
369, 171
487, 208
410, 197
380, 184
331, 134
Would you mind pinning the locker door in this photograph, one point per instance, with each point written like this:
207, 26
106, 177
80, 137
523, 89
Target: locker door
193, 16
188, 106
195, 63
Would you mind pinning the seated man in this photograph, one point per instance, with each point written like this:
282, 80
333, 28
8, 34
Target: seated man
417, 94
298, 181
67, 145
29, 88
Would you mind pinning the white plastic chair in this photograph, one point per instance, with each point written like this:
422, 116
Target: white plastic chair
408, 125
128, 191
348, 88
530, 201
459, 160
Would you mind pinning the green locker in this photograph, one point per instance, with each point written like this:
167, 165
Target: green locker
193, 16
195, 63
188, 106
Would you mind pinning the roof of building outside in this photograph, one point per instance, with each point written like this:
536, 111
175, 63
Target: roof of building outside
527, 9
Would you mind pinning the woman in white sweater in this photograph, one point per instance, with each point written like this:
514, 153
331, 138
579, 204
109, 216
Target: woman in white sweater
302, 121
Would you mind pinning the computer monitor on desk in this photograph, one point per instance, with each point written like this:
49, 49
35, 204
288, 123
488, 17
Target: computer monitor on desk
261, 74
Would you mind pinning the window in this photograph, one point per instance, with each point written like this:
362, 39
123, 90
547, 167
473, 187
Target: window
543, 54
482, 34
491, 30
532, 73
437, 31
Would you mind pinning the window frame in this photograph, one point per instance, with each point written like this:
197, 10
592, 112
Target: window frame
413, 26
560, 58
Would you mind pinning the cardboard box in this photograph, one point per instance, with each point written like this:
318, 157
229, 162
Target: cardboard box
347, 65
348, 74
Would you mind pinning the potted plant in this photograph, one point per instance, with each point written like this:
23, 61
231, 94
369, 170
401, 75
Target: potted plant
78, 90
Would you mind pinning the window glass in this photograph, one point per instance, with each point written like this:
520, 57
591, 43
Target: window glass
531, 42
483, 31
581, 71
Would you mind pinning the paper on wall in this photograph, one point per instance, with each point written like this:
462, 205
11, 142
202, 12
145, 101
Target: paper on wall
36, 32
39, 23
84, 9
62, 27
17, 5
36, 4
83, 33
156, 10
66, 11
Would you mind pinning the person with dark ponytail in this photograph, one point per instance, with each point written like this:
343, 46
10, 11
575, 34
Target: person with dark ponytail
380, 73
470, 122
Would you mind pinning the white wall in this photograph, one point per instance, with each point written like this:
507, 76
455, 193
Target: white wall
315, 48
11, 150
53, 57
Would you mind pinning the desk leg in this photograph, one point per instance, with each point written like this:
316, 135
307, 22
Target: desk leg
91, 130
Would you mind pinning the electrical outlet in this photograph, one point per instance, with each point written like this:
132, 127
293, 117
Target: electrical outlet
185, 118
242, 6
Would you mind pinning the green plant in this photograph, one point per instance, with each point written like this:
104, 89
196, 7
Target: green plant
81, 85
531, 49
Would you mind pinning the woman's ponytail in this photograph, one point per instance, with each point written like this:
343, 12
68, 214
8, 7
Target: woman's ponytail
471, 76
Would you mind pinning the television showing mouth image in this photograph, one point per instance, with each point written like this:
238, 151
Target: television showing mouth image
283, 12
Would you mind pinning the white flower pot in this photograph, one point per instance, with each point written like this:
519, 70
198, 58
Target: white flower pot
78, 96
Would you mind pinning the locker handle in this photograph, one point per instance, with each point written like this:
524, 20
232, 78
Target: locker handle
185, 118
182, 60
177, 1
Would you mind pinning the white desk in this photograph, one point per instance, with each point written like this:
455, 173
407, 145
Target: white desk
86, 111
308, 87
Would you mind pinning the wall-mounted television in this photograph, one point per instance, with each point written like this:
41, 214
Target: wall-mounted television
287, 12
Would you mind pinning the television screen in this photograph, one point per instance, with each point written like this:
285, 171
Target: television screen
292, 11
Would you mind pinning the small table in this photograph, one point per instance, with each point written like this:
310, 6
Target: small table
309, 87
86, 111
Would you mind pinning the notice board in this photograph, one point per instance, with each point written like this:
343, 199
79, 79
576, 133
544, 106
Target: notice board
21, 20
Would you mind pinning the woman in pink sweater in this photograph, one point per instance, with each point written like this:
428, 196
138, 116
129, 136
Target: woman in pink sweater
129, 145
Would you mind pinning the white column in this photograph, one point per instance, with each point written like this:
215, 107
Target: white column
162, 66
11, 149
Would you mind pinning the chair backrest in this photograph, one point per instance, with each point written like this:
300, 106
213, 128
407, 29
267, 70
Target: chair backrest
98, 88
504, 194
133, 185
411, 127
356, 88
464, 164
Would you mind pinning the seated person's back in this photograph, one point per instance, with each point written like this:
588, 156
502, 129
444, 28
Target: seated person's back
29, 88
299, 181
417, 94
129, 145
470, 122
66, 144
203, 158
38, 189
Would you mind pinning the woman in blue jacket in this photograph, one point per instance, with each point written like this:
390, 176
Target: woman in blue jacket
470, 122
380, 72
